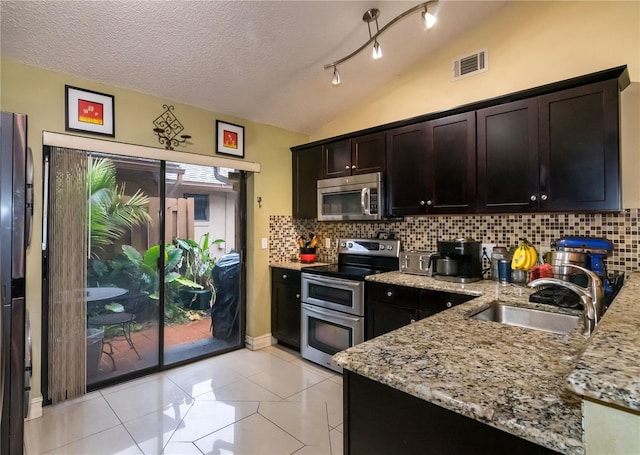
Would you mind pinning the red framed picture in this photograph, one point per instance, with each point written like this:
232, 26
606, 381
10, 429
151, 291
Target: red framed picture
87, 111
230, 139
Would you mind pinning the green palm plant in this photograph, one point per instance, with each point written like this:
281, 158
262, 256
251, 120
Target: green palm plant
111, 213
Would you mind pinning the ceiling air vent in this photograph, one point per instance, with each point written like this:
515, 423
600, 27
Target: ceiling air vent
470, 64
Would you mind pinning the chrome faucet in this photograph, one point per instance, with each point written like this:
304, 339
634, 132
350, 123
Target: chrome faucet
592, 296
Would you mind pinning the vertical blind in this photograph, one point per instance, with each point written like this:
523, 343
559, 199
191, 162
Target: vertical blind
67, 274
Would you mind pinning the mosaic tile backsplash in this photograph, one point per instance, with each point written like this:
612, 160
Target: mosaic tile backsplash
423, 233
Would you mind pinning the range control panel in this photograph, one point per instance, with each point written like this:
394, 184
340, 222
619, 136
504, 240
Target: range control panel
370, 247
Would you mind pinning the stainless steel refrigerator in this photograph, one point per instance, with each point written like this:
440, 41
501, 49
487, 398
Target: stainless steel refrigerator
16, 210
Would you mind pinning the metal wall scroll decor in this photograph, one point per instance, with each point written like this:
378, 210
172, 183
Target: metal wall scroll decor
167, 127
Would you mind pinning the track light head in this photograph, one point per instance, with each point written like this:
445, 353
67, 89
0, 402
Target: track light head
336, 77
428, 19
377, 51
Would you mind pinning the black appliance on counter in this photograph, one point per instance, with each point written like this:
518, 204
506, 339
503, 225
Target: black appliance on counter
458, 261
333, 297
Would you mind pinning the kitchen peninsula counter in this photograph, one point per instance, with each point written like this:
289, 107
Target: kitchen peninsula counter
609, 369
295, 265
507, 377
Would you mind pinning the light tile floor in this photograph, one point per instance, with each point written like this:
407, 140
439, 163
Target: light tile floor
245, 402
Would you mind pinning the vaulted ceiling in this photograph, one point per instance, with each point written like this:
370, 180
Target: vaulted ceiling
257, 60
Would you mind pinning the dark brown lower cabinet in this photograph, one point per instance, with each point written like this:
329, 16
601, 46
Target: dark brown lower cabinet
389, 307
285, 306
381, 420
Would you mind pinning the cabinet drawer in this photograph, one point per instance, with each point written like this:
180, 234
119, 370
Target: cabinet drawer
432, 302
386, 293
286, 276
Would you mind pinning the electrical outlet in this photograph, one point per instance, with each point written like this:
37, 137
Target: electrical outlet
327, 243
265, 243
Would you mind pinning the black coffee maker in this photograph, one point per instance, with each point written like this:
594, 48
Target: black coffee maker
458, 261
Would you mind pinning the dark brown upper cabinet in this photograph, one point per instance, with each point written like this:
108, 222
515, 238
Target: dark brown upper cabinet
431, 167
508, 169
359, 155
451, 158
336, 159
579, 149
406, 170
307, 169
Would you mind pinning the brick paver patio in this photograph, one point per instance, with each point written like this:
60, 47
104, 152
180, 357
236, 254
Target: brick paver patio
146, 343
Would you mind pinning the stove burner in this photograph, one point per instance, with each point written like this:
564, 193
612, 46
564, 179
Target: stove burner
358, 258
557, 296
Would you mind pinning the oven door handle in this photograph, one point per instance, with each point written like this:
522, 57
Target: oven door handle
338, 283
330, 314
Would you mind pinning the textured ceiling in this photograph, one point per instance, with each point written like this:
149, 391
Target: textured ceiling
257, 60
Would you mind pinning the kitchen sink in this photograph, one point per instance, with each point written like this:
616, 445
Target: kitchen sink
527, 318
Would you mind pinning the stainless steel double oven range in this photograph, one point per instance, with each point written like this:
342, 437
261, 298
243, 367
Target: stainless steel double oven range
333, 298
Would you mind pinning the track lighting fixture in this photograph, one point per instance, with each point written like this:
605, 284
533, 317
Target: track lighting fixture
372, 16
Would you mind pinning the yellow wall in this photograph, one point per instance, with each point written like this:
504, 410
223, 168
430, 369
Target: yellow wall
529, 44
40, 94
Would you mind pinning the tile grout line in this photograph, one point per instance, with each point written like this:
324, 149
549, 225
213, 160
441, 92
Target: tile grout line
272, 422
87, 435
123, 425
223, 427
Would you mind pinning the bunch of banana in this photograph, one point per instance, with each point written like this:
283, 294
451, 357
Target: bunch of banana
525, 256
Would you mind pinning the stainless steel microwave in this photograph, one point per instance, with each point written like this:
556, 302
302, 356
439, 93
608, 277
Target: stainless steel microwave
357, 197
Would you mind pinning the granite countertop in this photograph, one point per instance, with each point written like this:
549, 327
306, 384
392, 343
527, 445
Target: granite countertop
295, 265
477, 288
609, 369
511, 378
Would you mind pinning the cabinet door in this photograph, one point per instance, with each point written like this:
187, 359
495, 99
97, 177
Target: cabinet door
367, 154
451, 156
285, 306
389, 307
383, 317
579, 148
307, 169
336, 159
407, 170
508, 157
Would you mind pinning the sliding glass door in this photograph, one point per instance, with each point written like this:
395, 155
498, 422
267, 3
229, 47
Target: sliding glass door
202, 279
123, 305
158, 273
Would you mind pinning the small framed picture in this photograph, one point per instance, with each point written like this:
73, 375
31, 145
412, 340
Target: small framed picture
89, 112
230, 139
